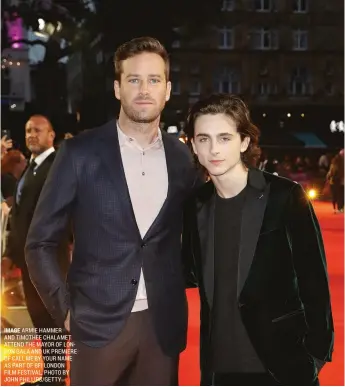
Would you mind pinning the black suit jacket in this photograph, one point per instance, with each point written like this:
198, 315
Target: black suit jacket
22, 214
283, 293
88, 184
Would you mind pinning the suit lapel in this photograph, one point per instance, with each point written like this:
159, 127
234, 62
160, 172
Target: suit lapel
110, 154
37, 176
252, 217
205, 221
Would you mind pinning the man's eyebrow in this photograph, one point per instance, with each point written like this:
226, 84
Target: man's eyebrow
220, 134
202, 135
137, 75
132, 75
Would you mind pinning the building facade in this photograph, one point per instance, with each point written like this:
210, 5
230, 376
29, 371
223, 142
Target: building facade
284, 57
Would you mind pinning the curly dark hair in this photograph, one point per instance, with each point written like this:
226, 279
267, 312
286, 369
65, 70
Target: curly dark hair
138, 46
234, 107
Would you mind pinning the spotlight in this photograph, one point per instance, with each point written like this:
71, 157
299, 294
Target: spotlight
312, 194
289, 115
41, 24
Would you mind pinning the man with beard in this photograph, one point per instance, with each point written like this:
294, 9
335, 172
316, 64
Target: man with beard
124, 186
39, 136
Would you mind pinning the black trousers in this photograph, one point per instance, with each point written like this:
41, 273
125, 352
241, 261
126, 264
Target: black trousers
337, 192
134, 358
42, 319
250, 379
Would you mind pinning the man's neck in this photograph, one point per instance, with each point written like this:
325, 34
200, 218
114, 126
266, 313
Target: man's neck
232, 182
34, 155
144, 133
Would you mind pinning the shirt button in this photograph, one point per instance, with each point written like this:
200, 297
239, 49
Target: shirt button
143, 245
143, 153
143, 173
134, 281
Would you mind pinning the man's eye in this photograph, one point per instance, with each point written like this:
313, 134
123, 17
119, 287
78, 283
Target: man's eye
203, 139
134, 80
154, 81
225, 139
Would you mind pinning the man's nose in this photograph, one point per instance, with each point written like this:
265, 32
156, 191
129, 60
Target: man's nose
214, 148
143, 87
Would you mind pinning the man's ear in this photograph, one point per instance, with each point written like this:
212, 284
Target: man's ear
245, 144
193, 145
117, 90
168, 92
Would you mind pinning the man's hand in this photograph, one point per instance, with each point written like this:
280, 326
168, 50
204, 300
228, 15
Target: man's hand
5, 209
6, 144
6, 266
67, 321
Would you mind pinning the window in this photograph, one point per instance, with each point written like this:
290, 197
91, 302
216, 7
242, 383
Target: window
227, 81
176, 44
263, 5
300, 6
264, 89
195, 86
264, 39
99, 57
175, 87
175, 79
300, 82
194, 69
226, 38
300, 40
329, 89
228, 5
175, 67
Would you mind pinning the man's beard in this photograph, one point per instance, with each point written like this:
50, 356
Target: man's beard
142, 117
37, 149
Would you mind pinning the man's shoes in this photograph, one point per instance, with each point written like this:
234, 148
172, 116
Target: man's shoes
40, 382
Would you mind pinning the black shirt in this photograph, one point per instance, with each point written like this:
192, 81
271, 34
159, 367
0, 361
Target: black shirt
231, 349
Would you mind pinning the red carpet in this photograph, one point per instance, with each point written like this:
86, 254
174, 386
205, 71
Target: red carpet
333, 373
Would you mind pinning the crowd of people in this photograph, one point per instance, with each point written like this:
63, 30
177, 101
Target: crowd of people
327, 169
126, 192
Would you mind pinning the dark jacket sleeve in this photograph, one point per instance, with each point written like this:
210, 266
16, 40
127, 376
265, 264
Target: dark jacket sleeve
311, 271
188, 253
48, 226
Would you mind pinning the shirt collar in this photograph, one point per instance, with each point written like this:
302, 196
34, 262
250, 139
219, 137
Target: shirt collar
125, 140
40, 158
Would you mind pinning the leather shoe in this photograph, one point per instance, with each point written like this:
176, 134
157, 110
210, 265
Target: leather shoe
40, 382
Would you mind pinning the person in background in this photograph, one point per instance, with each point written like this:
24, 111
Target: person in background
13, 165
39, 137
335, 177
6, 144
323, 164
253, 243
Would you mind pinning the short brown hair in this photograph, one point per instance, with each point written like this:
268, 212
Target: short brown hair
138, 46
234, 107
9, 161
